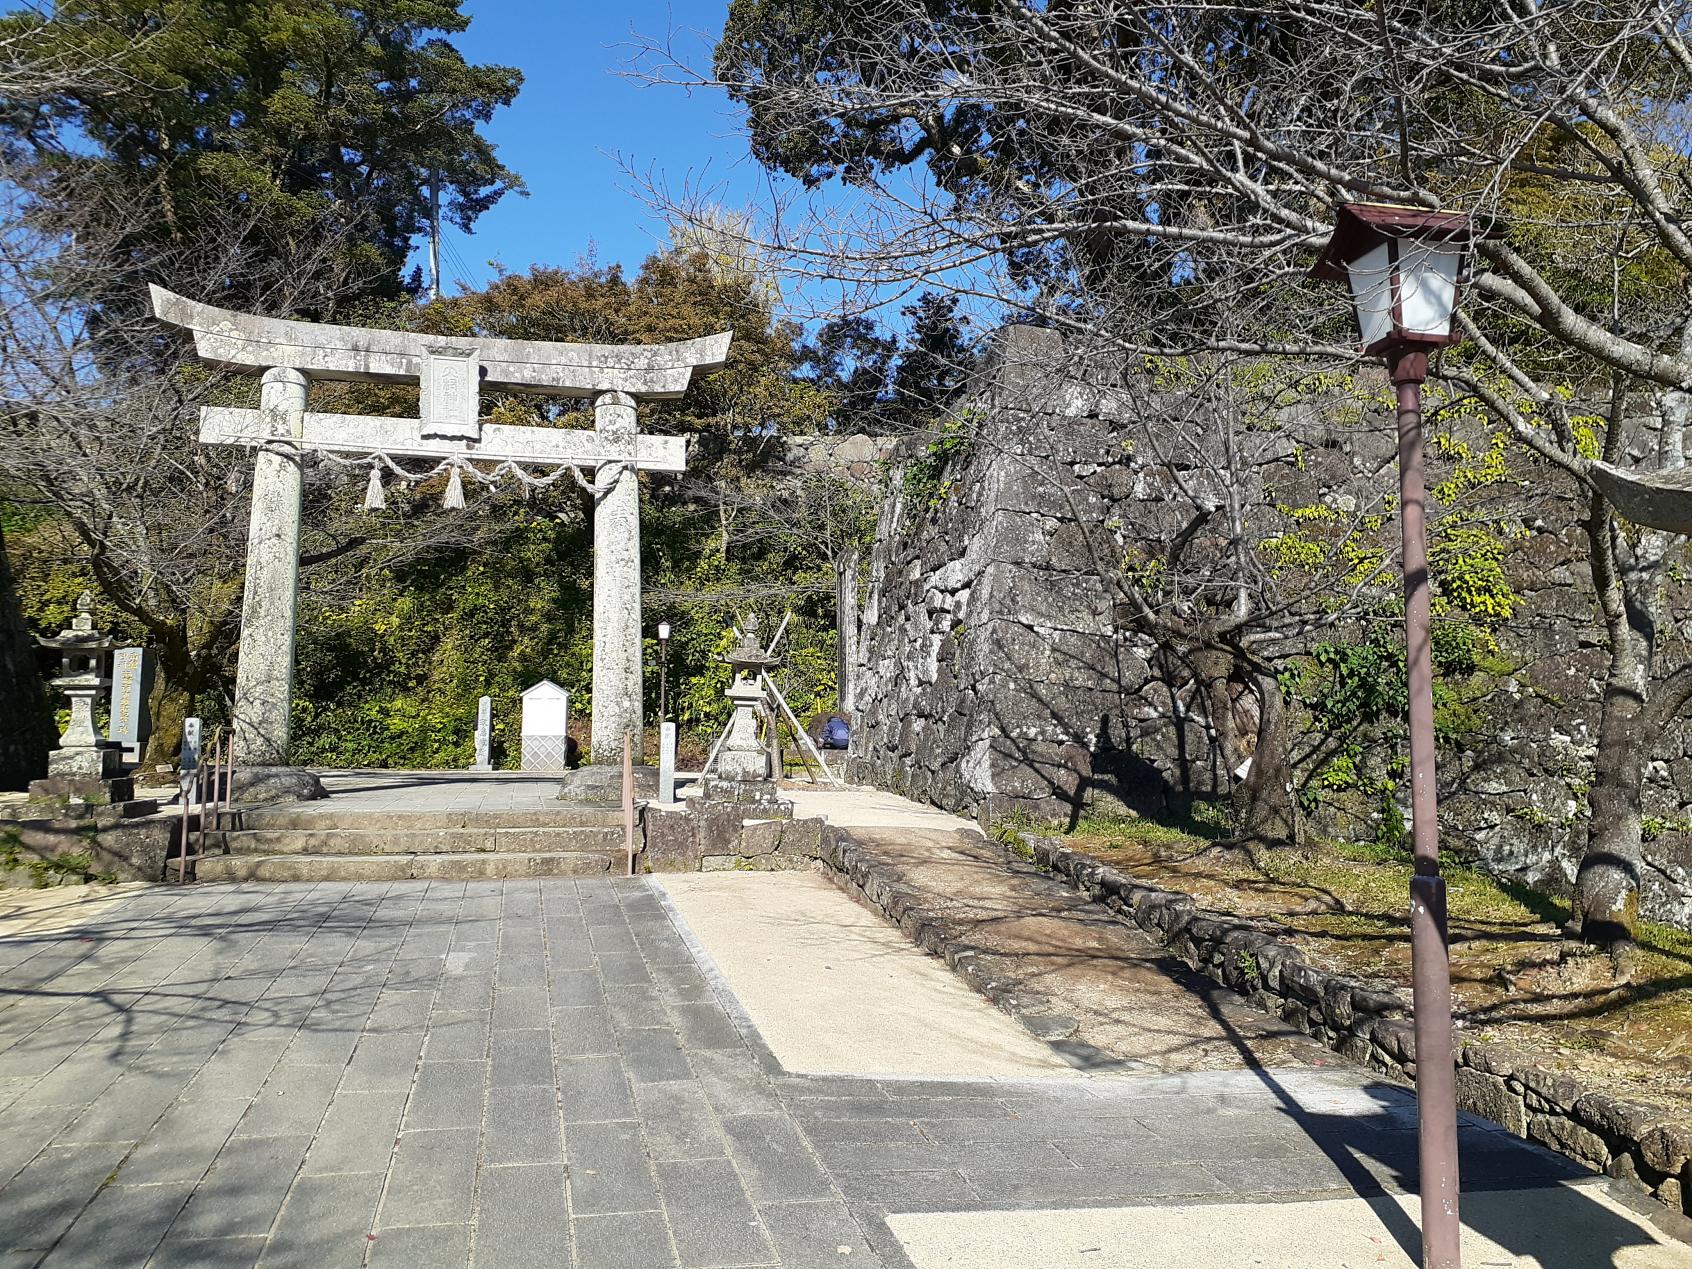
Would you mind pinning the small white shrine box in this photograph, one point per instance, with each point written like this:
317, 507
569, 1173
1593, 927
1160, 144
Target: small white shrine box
546, 727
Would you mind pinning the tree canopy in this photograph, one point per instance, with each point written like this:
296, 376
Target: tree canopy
296, 112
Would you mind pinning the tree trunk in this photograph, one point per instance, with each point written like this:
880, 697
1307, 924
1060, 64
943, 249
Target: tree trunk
27, 734
1606, 898
1606, 906
1264, 806
1215, 670
179, 680
1271, 811
172, 702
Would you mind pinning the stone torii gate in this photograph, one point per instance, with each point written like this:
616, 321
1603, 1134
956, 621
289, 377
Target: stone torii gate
451, 371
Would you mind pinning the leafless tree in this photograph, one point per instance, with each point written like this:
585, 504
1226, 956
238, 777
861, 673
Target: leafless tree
99, 421
1135, 172
32, 69
1260, 551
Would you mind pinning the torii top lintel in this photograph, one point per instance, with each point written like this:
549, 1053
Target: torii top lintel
242, 341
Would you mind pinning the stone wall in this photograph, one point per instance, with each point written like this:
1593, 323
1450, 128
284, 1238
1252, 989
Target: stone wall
857, 458
73, 844
991, 674
994, 676
1646, 1146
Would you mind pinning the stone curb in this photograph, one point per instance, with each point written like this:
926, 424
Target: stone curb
866, 878
1640, 1144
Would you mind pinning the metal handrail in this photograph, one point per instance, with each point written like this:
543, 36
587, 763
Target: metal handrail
211, 787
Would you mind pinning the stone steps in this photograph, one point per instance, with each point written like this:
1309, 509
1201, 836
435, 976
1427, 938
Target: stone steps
420, 841
460, 866
315, 817
323, 843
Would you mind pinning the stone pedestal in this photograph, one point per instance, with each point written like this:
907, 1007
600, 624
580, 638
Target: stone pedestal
617, 679
743, 756
96, 790
757, 798
259, 786
264, 675
103, 761
602, 785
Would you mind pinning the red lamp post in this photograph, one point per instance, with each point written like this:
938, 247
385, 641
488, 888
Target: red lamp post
1406, 268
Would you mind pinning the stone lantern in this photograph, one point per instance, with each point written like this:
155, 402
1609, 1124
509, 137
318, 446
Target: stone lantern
743, 757
83, 753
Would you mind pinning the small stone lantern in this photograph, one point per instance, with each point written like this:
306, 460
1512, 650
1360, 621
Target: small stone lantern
83, 752
743, 757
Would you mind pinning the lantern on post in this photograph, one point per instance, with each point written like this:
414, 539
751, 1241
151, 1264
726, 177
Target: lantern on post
1406, 268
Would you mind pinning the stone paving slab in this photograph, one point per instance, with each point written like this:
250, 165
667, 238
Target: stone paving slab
541, 1072
409, 791
1503, 1230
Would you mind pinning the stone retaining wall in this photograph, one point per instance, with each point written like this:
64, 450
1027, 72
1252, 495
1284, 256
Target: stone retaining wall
82, 844
1644, 1145
864, 879
995, 674
701, 837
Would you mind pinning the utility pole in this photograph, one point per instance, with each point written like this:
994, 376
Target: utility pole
434, 235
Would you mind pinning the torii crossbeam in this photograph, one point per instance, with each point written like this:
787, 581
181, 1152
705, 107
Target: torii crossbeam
451, 372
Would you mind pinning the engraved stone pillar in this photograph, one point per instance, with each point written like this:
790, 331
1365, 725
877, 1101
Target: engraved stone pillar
617, 677
132, 683
264, 675
666, 762
484, 734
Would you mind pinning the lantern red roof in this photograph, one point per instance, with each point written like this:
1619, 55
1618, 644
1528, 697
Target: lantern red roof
1357, 226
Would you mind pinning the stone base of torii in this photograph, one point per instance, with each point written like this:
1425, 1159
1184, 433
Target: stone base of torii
451, 372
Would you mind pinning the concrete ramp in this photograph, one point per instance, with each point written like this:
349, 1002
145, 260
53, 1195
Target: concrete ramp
832, 988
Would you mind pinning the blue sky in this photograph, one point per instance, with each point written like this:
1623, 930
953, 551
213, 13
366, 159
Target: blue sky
577, 115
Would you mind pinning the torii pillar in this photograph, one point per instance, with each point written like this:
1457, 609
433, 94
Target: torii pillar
450, 370
264, 673
618, 673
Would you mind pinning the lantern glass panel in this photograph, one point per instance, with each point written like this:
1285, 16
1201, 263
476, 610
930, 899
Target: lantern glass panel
1371, 292
1429, 288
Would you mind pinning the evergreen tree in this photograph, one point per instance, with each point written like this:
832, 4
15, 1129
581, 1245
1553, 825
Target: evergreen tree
293, 112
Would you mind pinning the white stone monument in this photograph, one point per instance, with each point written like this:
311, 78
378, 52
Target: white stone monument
190, 750
132, 673
667, 763
546, 727
450, 371
484, 734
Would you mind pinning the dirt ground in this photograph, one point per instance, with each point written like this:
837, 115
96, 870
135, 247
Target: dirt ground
1516, 979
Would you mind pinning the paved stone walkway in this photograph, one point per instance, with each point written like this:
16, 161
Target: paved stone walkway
541, 1074
433, 791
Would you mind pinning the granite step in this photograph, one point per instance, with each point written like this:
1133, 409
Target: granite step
459, 866
416, 841
323, 816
